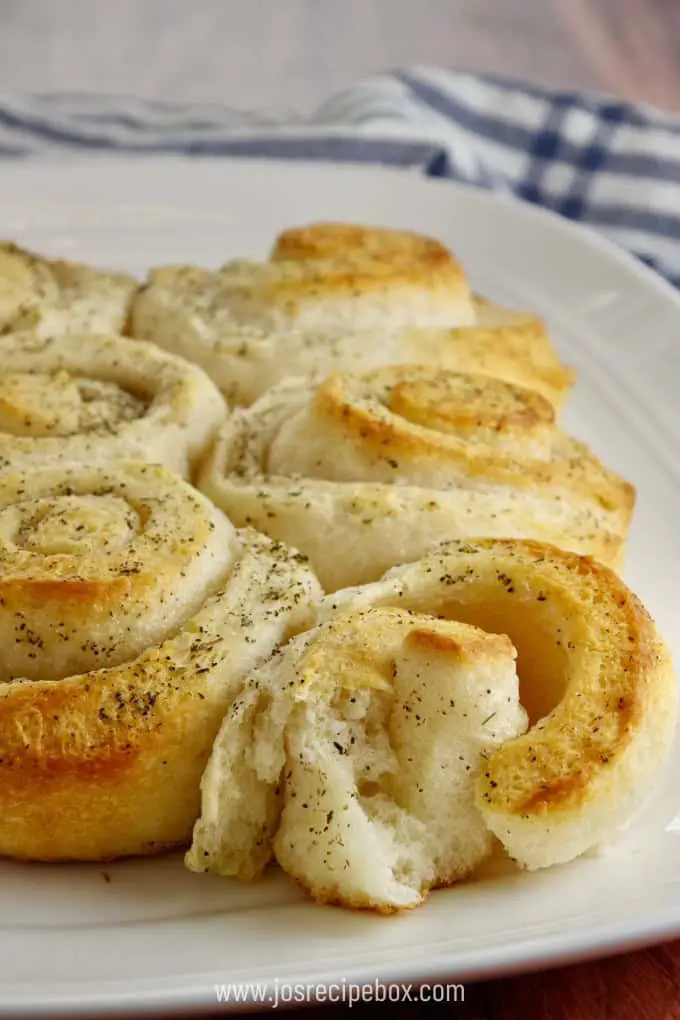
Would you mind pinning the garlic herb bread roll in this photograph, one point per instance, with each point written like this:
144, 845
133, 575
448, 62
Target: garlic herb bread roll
92, 398
369, 470
390, 714
53, 297
499, 341
415, 282
596, 679
398, 298
375, 755
352, 244
130, 612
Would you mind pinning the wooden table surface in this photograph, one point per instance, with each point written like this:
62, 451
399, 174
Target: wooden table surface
639, 986
293, 53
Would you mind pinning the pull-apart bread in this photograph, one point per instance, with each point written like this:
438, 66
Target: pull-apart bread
378, 754
130, 613
172, 673
365, 471
52, 296
340, 298
90, 398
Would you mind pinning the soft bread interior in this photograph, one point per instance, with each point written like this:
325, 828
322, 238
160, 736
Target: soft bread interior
353, 758
596, 678
381, 751
379, 795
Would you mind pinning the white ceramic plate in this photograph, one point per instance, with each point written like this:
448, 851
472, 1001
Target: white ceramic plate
151, 937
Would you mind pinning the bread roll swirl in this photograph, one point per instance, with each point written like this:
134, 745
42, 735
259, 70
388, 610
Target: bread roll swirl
389, 716
499, 342
94, 398
130, 611
368, 470
53, 297
378, 753
402, 280
596, 679
392, 299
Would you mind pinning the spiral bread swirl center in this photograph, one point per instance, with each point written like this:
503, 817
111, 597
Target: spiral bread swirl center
74, 525
96, 566
45, 404
131, 612
381, 465
92, 398
413, 424
473, 409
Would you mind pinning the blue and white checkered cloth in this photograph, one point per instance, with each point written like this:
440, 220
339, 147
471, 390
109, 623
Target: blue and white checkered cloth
606, 163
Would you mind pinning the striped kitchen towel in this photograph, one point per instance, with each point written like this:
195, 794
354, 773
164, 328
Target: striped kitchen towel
591, 158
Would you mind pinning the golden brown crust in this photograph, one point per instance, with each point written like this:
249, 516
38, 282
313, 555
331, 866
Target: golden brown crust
347, 241
518, 350
633, 665
596, 677
496, 334
463, 404
363, 643
337, 257
370, 469
336, 297
435, 638
122, 651
452, 408
93, 398
84, 764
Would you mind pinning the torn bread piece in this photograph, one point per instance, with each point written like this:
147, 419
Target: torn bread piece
383, 755
596, 678
377, 755
368, 800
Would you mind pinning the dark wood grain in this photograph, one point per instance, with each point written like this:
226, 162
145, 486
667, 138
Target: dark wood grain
637, 986
473, 1008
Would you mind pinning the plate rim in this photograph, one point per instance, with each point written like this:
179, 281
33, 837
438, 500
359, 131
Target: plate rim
183, 998
598, 941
